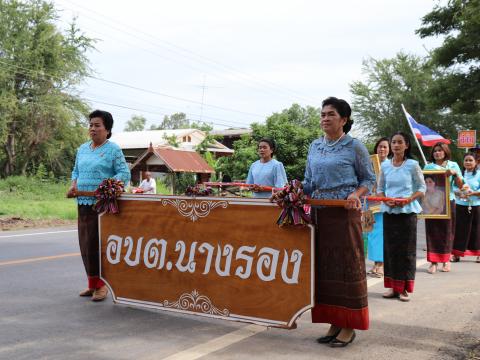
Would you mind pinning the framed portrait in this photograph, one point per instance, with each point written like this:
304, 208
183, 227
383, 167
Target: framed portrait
374, 206
436, 202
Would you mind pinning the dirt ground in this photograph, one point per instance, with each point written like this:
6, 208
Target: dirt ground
18, 223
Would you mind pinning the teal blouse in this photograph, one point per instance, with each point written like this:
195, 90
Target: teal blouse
92, 166
474, 182
401, 182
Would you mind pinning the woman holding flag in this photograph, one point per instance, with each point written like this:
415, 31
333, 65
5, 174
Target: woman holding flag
440, 232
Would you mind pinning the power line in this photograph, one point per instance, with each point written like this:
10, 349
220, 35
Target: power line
232, 124
137, 89
205, 59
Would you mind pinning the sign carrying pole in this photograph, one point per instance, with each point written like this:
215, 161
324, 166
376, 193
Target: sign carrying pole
416, 140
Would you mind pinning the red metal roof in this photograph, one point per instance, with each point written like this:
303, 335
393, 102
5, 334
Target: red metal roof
183, 161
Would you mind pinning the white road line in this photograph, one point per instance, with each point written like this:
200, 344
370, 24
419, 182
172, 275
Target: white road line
40, 233
219, 343
224, 341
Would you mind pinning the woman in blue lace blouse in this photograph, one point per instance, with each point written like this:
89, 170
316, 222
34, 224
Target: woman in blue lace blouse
400, 177
338, 167
96, 160
267, 171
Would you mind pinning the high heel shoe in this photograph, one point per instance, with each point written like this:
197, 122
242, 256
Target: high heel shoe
339, 343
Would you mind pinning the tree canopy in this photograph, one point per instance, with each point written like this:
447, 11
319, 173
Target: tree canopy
41, 116
136, 123
458, 86
292, 129
180, 121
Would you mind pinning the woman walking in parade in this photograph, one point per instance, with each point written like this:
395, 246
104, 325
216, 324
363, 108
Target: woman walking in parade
338, 167
400, 177
375, 237
96, 160
267, 171
467, 229
440, 232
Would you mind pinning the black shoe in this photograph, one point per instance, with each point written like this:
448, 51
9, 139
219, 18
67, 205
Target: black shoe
328, 338
339, 343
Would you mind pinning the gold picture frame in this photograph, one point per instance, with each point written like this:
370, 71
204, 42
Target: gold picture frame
375, 160
436, 202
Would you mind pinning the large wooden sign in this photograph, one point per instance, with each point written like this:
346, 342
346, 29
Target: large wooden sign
216, 257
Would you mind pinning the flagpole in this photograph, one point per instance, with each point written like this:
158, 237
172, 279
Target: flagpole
413, 133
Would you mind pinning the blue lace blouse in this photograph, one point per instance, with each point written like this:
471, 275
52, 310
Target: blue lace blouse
335, 171
271, 173
92, 166
401, 182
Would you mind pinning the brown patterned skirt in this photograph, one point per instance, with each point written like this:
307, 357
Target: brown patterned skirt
467, 232
400, 251
89, 244
440, 234
340, 280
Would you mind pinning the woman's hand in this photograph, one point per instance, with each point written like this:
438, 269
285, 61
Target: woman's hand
72, 191
450, 172
256, 188
354, 202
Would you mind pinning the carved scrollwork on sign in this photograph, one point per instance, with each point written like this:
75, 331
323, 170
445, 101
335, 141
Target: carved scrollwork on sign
196, 302
194, 209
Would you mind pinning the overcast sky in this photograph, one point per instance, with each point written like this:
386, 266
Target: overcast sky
247, 59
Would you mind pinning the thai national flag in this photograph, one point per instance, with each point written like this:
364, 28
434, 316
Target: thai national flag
427, 136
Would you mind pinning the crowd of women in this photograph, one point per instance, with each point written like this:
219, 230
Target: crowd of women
338, 167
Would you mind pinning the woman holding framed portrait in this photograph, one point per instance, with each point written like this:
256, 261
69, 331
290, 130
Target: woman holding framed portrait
440, 232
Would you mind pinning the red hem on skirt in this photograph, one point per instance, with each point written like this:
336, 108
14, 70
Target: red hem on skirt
466, 253
399, 285
341, 316
441, 258
94, 282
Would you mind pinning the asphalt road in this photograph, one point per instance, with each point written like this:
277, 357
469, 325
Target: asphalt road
41, 316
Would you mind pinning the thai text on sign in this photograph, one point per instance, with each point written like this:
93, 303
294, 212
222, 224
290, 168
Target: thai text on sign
467, 138
216, 257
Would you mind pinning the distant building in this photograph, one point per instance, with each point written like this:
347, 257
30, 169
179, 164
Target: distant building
229, 136
135, 143
162, 161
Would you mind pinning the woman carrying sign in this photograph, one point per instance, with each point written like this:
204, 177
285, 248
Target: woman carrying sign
338, 167
96, 160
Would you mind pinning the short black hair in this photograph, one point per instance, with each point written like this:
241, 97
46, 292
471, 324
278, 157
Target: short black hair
406, 138
270, 143
106, 117
343, 109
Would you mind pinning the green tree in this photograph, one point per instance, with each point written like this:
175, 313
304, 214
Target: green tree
41, 117
174, 121
292, 129
458, 86
405, 79
136, 123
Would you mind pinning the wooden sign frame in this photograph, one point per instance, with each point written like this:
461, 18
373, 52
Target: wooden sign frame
243, 235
